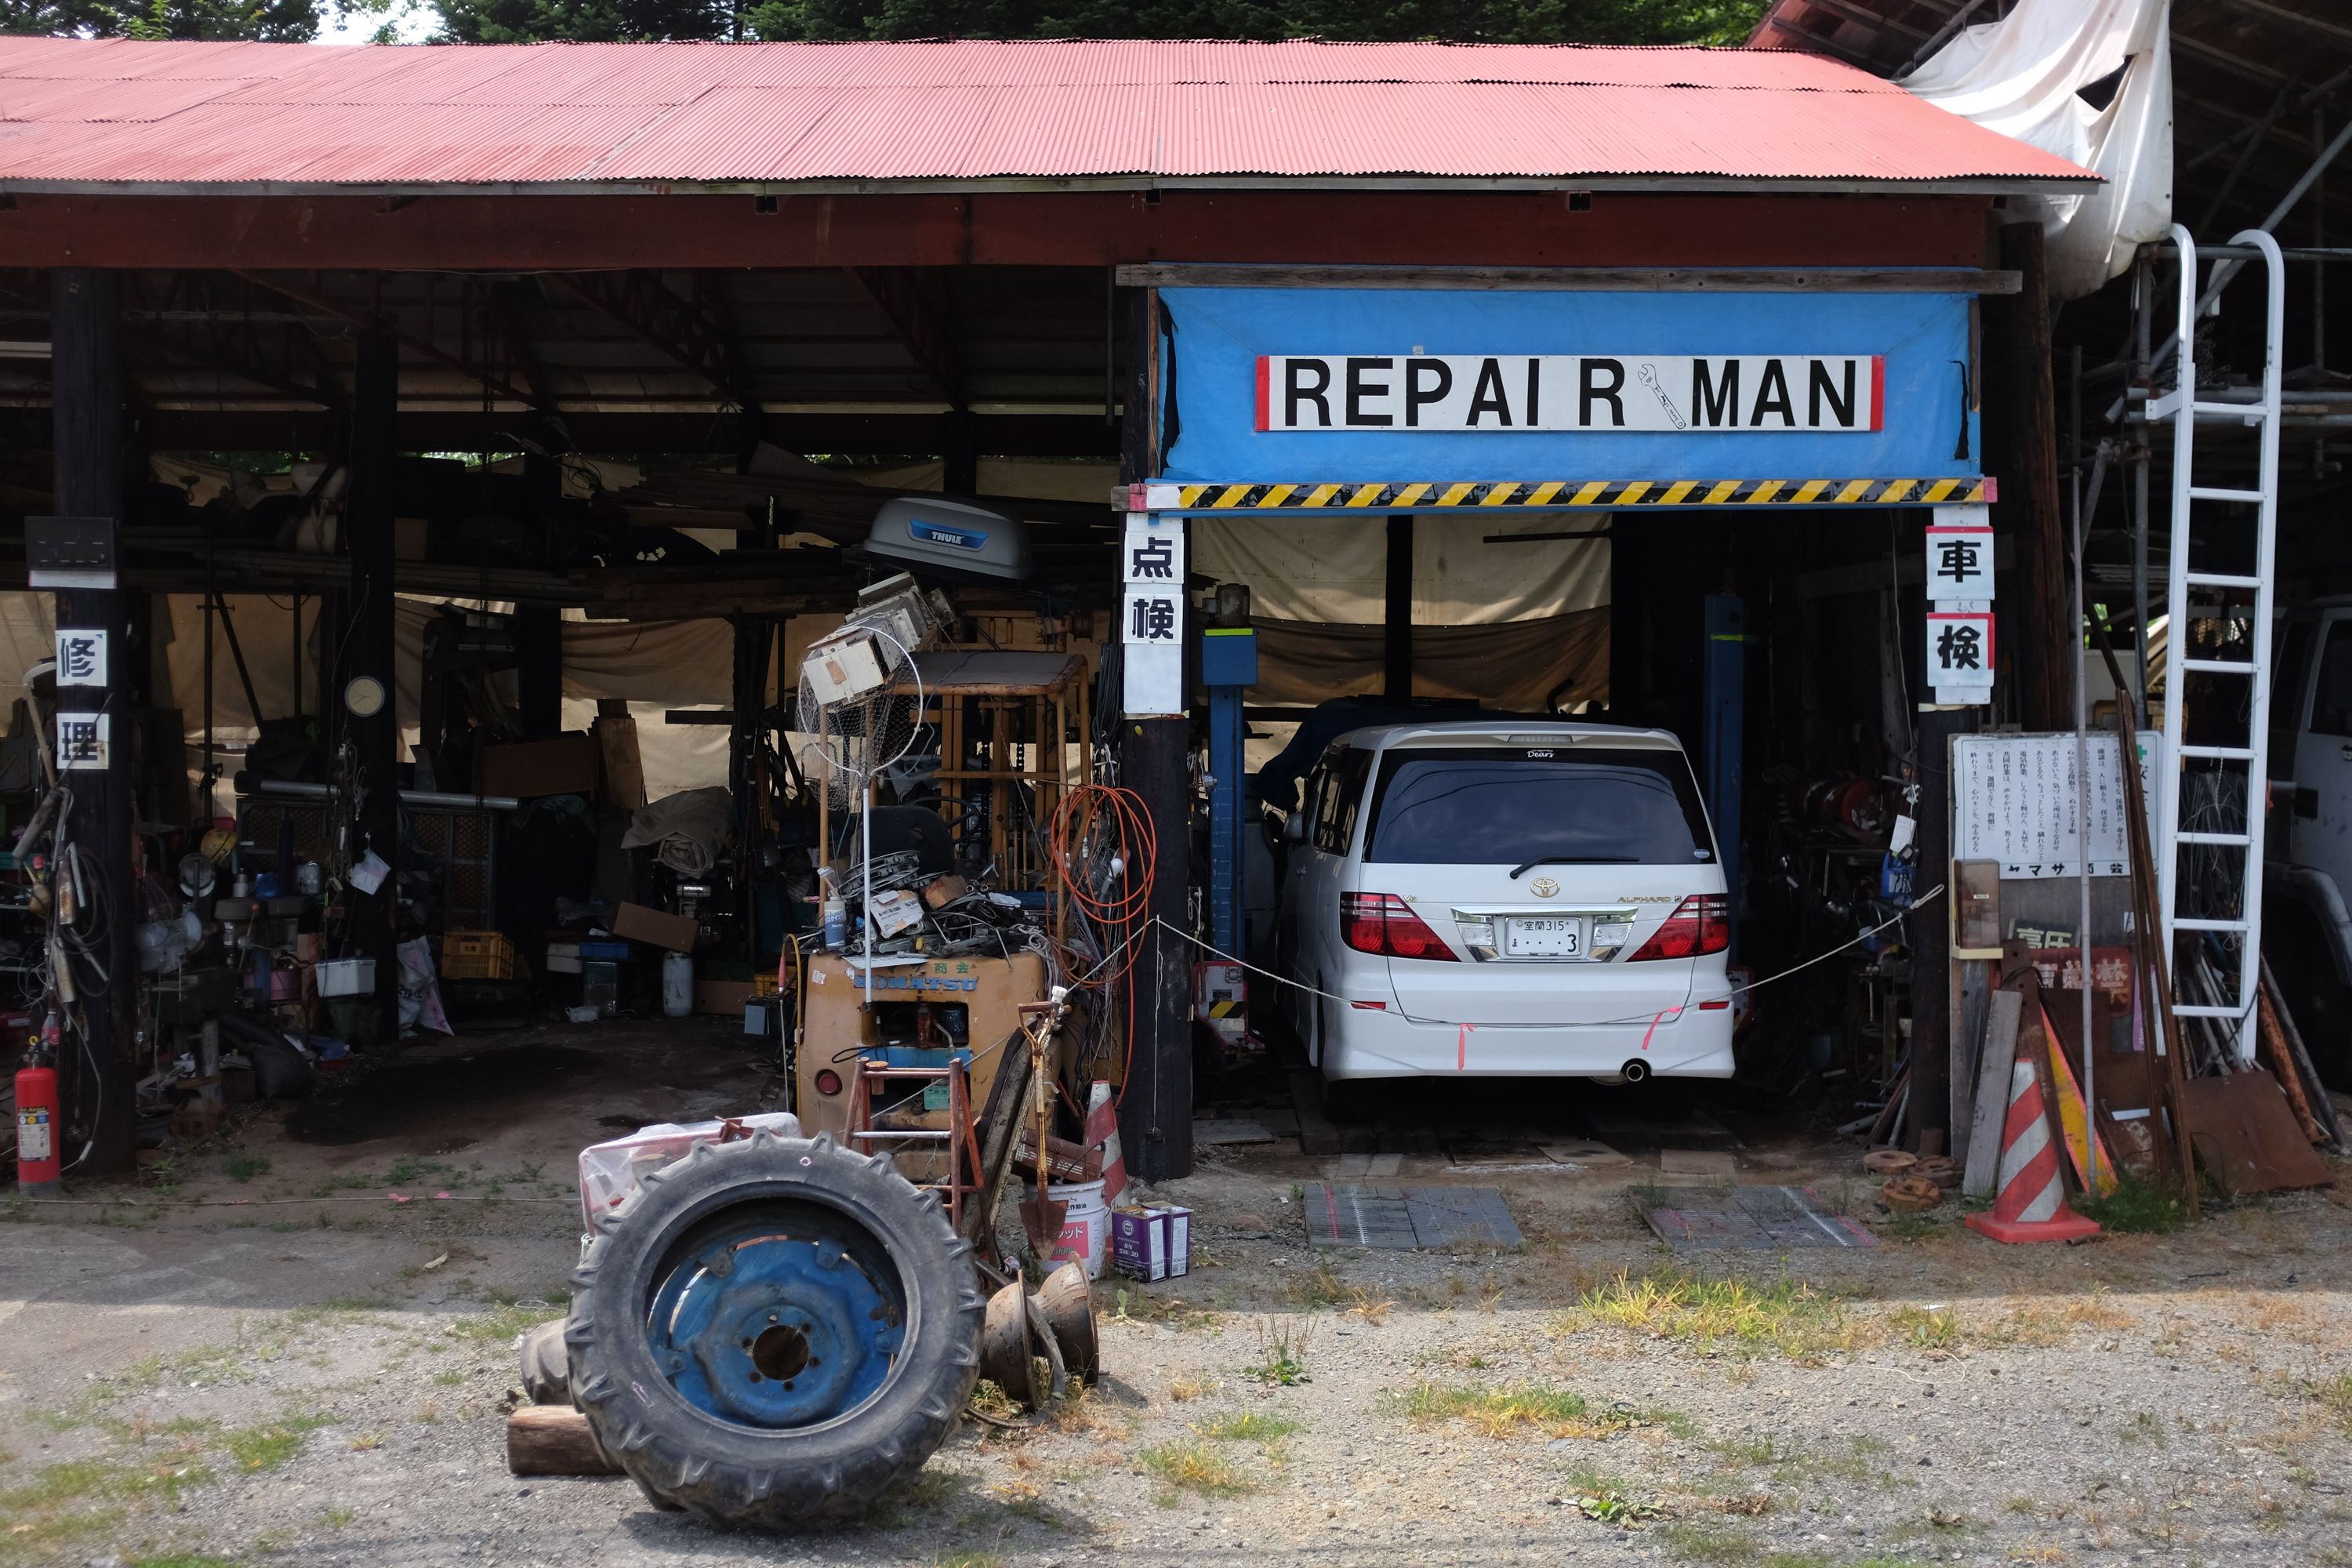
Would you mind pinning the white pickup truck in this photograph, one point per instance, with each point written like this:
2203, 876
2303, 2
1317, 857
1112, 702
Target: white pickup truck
2307, 870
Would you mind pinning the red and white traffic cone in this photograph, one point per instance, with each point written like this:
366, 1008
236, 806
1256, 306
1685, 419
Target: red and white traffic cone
2031, 1205
1102, 1132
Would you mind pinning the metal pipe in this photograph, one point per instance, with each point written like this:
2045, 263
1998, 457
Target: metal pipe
2225, 271
413, 796
2143, 307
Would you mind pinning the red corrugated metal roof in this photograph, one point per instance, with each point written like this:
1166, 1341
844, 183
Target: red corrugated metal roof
77, 112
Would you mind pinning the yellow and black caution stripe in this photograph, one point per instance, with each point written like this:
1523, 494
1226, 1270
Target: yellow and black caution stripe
1549, 493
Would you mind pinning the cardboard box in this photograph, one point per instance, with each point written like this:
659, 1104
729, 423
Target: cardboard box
724, 998
1151, 1241
639, 923
561, 764
564, 958
617, 743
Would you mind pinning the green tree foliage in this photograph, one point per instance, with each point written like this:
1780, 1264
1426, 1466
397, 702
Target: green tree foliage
269, 21
1480, 21
589, 21
1483, 21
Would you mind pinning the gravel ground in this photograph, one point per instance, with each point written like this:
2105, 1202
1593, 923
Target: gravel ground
294, 1368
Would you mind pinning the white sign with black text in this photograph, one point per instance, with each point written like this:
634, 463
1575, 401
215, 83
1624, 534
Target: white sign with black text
82, 655
2016, 800
1960, 648
1960, 554
82, 742
1681, 393
1151, 614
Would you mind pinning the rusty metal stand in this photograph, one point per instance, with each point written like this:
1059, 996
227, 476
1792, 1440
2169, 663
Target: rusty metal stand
963, 1176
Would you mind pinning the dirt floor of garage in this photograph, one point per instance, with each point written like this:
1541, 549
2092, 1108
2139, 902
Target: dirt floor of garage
295, 1345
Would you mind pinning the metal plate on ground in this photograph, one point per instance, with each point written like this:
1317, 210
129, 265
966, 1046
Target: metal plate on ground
1407, 1218
1726, 1218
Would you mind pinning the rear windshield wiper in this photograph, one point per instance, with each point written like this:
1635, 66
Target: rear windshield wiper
1573, 860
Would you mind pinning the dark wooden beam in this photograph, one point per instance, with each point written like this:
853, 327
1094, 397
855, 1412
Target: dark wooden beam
686, 431
367, 652
691, 332
916, 305
379, 321
1085, 228
100, 1098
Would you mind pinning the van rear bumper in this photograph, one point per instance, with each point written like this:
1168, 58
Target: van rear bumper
1365, 1044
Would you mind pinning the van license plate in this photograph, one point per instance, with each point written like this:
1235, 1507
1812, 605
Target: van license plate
1544, 939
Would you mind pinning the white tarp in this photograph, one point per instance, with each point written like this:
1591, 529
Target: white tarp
2023, 75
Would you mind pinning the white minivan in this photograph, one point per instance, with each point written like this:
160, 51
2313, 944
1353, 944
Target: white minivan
1505, 899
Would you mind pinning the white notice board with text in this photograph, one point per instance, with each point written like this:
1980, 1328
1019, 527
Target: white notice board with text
2015, 800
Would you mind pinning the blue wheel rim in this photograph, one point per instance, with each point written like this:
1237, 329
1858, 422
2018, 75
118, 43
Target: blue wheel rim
777, 1316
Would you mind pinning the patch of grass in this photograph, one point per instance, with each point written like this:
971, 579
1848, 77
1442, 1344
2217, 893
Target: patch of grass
2137, 1207
2143, 1428
242, 1166
1786, 1318
1184, 1390
1197, 1467
367, 1442
990, 1399
182, 1560
1711, 1543
449, 1379
1320, 1290
974, 1559
2045, 1326
1249, 1426
501, 1323
339, 1517
2334, 1396
267, 1446
1498, 1411
1368, 1305
1927, 1328
1616, 1508
1282, 1351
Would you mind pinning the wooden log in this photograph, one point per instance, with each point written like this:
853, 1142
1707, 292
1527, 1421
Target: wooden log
2322, 1109
2272, 1042
554, 1440
1994, 1071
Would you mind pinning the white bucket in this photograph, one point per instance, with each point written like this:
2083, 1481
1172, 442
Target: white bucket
677, 984
1085, 1228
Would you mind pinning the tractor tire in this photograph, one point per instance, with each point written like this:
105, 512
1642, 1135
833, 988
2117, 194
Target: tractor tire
774, 1331
546, 1365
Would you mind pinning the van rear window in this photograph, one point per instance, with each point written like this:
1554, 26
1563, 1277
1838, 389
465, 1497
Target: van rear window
1506, 807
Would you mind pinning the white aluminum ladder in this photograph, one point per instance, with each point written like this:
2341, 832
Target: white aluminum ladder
2189, 500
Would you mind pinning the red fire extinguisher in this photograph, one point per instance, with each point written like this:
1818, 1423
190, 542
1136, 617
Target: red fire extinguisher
38, 1167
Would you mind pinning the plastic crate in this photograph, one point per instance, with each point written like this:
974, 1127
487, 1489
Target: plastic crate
476, 956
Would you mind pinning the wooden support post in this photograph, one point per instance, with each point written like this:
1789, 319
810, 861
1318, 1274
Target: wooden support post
96, 1087
1156, 1108
2021, 440
539, 672
368, 657
959, 452
1930, 929
1396, 641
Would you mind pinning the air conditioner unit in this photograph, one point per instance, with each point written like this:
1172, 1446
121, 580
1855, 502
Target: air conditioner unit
941, 537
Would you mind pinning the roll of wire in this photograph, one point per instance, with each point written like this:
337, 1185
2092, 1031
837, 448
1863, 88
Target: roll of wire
1101, 841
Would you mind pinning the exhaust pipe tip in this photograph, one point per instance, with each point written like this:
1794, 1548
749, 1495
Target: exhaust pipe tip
1634, 1071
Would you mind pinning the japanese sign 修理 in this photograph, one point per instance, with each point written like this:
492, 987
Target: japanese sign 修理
82, 655
82, 742
1487, 393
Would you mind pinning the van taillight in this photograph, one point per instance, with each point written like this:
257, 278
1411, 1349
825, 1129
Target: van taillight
1699, 924
1384, 923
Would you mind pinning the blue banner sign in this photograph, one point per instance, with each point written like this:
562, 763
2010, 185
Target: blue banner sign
1362, 386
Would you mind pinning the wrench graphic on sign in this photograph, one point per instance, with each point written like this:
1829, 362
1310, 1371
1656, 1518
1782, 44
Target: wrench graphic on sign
1648, 374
